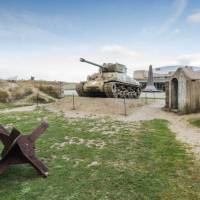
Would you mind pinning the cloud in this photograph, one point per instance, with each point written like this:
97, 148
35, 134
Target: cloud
119, 50
32, 28
180, 6
62, 64
176, 31
194, 18
189, 59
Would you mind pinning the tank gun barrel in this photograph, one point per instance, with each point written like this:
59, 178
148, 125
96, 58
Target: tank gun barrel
86, 61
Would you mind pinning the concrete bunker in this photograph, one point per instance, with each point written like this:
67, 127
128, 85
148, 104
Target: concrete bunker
183, 91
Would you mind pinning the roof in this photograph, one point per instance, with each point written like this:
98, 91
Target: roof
173, 68
188, 72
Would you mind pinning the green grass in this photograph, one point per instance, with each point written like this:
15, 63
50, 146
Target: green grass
102, 159
12, 105
195, 122
6, 105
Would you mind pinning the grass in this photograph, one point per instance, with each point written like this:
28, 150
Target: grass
195, 122
12, 105
102, 159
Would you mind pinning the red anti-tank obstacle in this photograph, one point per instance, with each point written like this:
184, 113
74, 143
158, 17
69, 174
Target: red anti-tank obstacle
20, 149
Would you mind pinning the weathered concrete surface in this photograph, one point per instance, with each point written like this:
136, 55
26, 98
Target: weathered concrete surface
183, 93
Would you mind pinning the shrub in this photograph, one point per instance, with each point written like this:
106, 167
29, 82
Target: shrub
28, 91
20, 93
50, 90
4, 97
16, 95
41, 99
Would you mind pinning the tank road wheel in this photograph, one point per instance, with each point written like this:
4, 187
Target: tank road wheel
126, 94
138, 92
111, 90
114, 91
130, 95
121, 94
79, 89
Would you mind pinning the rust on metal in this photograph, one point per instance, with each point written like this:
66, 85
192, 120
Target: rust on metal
20, 149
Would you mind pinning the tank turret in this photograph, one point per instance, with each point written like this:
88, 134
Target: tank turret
108, 67
91, 63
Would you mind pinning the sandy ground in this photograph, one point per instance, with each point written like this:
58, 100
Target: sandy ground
137, 110
95, 106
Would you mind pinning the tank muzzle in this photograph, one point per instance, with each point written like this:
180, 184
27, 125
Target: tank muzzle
82, 60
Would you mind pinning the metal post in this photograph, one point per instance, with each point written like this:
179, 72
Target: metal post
60, 89
73, 108
37, 99
145, 97
125, 113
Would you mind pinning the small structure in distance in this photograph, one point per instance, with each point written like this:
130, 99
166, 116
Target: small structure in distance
150, 87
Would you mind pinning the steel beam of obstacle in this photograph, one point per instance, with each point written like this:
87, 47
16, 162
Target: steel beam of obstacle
20, 149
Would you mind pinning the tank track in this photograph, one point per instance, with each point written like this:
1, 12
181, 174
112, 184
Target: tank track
121, 90
112, 90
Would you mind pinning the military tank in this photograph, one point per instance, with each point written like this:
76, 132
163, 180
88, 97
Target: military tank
111, 81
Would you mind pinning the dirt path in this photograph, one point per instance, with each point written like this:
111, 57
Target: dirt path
178, 124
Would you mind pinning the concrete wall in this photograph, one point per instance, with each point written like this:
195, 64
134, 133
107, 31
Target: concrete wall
182, 92
193, 96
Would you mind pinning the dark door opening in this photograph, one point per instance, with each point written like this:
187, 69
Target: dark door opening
174, 93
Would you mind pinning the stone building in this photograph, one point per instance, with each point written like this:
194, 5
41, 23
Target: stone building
183, 91
161, 75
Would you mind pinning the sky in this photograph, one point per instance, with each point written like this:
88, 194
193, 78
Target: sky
46, 38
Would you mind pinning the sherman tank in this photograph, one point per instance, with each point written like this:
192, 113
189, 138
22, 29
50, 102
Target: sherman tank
111, 81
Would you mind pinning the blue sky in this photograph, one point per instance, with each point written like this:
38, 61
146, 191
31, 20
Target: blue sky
46, 38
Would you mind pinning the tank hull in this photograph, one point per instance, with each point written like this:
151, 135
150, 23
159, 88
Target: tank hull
111, 89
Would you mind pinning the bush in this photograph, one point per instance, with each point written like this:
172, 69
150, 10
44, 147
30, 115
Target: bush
4, 97
16, 95
28, 91
50, 90
21, 93
41, 99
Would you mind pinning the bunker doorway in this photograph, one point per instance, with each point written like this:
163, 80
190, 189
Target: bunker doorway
174, 93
